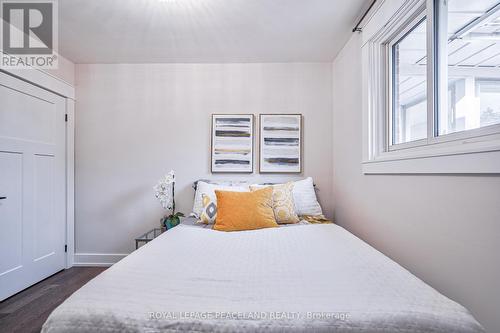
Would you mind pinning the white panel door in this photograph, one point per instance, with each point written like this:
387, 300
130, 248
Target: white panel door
32, 184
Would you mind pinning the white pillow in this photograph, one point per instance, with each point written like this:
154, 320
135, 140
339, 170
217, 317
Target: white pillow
305, 199
209, 190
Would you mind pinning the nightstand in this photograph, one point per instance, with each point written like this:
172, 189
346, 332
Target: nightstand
149, 236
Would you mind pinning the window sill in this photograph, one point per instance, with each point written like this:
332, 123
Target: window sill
463, 157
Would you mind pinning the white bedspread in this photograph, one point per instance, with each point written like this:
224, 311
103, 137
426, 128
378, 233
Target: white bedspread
312, 278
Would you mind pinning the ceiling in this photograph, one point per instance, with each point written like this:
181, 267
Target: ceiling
192, 31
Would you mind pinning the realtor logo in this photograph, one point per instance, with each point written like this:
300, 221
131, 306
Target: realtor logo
29, 33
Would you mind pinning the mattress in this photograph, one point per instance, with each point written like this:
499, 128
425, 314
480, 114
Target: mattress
317, 278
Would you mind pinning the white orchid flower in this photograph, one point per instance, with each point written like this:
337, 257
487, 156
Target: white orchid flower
164, 190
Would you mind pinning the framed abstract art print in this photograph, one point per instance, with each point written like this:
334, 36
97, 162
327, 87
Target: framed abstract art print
232, 143
280, 148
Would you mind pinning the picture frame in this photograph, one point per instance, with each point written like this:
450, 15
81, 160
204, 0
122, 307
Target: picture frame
232, 143
280, 143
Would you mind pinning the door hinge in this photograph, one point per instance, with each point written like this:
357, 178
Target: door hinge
65, 248
66, 117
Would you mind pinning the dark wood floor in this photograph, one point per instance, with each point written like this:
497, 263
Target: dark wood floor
28, 310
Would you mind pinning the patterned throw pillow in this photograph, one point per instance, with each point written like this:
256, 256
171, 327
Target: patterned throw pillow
209, 189
209, 212
283, 203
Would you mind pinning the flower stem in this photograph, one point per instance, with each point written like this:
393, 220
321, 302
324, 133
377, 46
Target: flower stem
173, 197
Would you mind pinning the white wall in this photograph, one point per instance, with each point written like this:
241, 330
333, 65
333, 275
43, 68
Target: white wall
136, 122
65, 70
445, 229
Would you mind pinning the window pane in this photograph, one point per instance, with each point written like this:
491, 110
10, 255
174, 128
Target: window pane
409, 114
473, 66
489, 102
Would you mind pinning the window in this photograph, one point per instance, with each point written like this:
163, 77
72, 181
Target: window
470, 52
471, 47
432, 72
409, 101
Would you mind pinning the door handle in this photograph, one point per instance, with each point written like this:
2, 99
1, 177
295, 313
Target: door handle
1, 198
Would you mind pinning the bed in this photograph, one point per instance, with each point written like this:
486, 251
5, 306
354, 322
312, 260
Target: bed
305, 278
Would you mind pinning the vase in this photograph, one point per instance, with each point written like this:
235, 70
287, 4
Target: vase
171, 221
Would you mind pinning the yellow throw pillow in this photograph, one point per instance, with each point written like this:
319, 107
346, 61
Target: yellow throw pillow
209, 212
237, 211
283, 204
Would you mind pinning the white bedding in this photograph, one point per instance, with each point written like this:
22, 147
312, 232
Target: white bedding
271, 280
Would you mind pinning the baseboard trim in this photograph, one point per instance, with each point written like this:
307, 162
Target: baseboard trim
97, 259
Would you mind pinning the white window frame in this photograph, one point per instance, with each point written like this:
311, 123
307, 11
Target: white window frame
408, 27
470, 151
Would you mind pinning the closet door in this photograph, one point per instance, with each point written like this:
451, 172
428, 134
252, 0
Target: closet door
32, 184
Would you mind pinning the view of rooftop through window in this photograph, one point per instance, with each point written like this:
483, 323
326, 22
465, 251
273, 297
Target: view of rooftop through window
473, 73
473, 66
